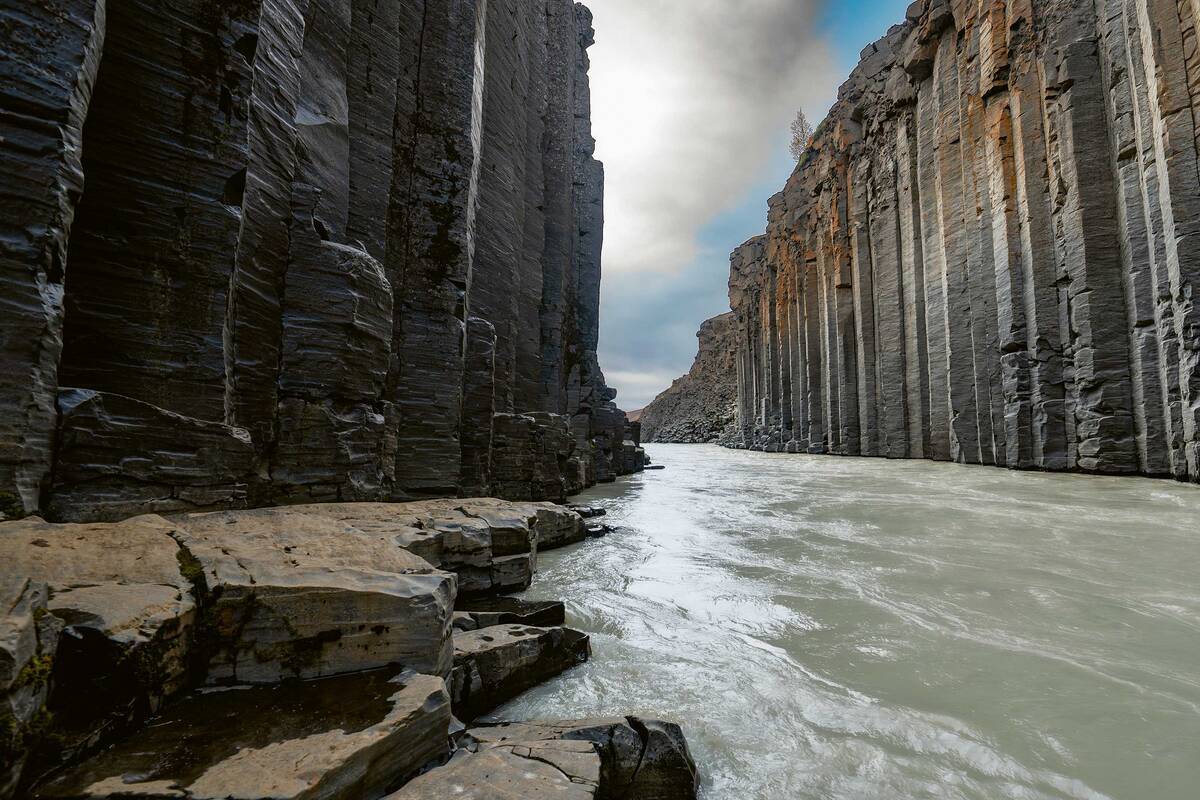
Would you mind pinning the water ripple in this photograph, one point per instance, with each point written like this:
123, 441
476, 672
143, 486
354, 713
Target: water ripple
848, 629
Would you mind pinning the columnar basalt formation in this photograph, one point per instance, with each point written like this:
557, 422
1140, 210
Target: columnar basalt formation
988, 253
701, 406
290, 251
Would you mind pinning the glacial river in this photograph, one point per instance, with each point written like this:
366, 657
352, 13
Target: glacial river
856, 628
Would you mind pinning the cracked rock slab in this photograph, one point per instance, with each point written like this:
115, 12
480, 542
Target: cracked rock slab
642, 759
535, 770
294, 595
352, 737
127, 609
493, 665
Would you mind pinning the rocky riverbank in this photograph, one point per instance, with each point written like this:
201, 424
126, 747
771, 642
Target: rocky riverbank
332, 651
701, 406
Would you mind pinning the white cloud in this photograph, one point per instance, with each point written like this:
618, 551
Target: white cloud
689, 101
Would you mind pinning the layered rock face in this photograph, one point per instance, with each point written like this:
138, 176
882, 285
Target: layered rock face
988, 255
297, 651
702, 405
290, 251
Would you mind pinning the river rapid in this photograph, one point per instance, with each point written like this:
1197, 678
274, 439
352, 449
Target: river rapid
853, 628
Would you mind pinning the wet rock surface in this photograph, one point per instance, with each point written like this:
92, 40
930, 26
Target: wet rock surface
641, 759
537, 770
253, 653
350, 736
493, 665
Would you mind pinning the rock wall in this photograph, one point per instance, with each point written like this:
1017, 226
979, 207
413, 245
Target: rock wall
284, 251
989, 253
701, 406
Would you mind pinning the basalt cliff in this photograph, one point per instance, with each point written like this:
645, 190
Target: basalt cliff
281, 251
280, 280
701, 406
990, 253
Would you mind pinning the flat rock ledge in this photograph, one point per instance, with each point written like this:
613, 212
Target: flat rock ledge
598, 759
493, 665
315, 652
350, 736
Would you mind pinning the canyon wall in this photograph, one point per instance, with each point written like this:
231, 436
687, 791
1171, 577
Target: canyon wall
990, 252
701, 406
283, 251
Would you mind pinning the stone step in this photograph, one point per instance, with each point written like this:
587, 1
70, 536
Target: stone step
296, 595
493, 665
490, 545
641, 759
623, 758
472, 613
351, 737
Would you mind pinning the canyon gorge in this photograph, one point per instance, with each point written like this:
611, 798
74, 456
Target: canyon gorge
305, 441
987, 253
271, 273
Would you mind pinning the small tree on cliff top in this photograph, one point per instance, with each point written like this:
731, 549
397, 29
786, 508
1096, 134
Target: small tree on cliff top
802, 133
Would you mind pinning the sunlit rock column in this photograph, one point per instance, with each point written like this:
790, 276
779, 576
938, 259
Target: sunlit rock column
992, 238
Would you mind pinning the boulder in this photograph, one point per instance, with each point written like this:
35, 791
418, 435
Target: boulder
641, 759
493, 665
127, 608
354, 737
297, 595
587, 512
538, 770
557, 526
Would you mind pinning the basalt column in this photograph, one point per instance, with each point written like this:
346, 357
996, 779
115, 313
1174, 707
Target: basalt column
1006, 193
435, 200
47, 74
289, 251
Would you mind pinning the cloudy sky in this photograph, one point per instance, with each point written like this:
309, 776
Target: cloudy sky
691, 105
